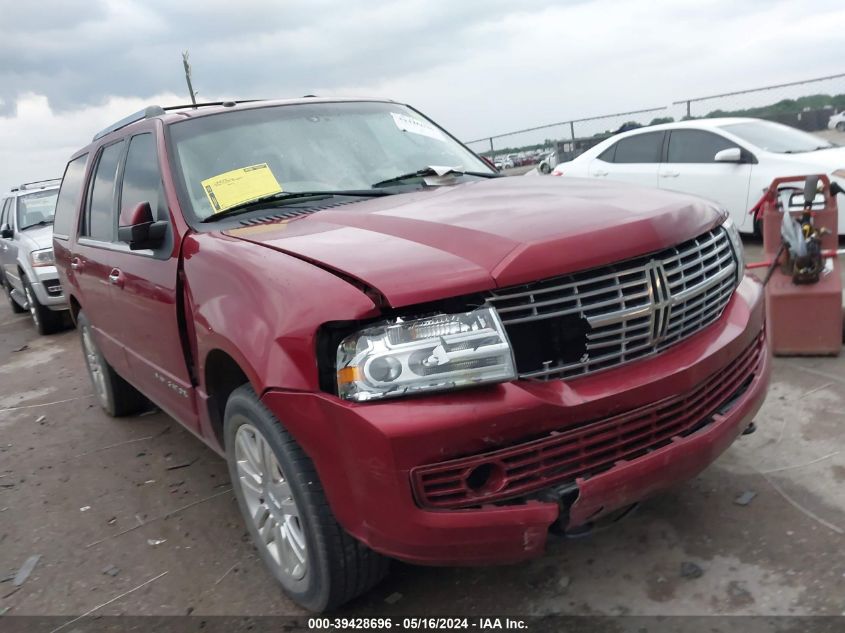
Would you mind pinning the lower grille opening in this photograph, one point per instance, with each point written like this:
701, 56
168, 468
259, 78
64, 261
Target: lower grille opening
512, 474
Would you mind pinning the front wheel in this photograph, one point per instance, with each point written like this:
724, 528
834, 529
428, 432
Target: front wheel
841, 126
44, 319
318, 564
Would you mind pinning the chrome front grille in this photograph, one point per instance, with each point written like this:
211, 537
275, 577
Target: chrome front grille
623, 312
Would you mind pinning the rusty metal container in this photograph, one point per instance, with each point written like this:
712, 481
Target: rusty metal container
803, 319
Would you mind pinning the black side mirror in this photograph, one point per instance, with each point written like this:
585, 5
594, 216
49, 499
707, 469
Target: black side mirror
142, 231
6, 232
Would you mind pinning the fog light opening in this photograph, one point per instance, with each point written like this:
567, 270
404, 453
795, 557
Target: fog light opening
485, 478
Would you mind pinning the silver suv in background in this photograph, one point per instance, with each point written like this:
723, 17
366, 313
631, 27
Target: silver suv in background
27, 269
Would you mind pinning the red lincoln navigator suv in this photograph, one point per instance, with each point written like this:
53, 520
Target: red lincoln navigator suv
400, 353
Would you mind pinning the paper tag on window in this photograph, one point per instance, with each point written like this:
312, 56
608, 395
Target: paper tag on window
416, 126
235, 187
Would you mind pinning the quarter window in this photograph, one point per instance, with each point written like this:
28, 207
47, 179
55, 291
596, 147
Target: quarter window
640, 148
695, 146
609, 154
100, 216
141, 178
69, 196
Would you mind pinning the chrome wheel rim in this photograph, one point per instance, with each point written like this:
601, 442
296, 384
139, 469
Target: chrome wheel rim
30, 303
270, 503
95, 367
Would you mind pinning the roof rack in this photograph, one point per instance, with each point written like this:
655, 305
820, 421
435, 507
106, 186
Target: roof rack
155, 110
28, 185
225, 104
140, 115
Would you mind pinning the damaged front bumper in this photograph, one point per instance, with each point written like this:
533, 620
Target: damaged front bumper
367, 456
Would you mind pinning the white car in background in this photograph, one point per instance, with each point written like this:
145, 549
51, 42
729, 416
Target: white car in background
837, 122
731, 161
547, 163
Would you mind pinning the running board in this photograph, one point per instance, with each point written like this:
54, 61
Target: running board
20, 298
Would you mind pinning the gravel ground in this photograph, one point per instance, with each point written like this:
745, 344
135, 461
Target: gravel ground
111, 504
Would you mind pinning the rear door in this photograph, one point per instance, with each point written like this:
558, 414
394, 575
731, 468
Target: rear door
146, 292
92, 257
632, 159
690, 168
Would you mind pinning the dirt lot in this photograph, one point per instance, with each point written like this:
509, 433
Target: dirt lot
146, 501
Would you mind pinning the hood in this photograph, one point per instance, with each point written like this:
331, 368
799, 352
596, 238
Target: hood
444, 242
38, 237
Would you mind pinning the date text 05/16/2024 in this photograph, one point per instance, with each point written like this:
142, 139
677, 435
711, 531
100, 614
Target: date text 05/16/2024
418, 624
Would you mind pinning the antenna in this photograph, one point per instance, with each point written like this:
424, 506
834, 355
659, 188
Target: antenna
187, 66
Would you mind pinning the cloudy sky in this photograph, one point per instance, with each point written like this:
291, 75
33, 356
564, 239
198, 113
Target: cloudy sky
478, 67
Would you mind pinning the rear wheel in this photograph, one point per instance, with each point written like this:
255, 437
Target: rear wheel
545, 168
116, 396
841, 126
45, 320
318, 564
16, 307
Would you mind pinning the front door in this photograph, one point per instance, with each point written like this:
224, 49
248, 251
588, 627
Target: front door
7, 247
690, 168
145, 292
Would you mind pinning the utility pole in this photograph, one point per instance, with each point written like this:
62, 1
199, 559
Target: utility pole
187, 66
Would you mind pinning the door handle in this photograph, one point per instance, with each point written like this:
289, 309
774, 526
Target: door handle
76, 264
116, 277
670, 174
599, 173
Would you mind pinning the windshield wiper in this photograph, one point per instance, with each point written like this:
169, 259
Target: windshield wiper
435, 171
289, 197
39, 223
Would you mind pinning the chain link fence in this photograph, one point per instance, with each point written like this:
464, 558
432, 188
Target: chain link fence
806, 104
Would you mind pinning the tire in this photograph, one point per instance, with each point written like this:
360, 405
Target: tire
44, 319
116, 396
758, 229
841, 126
282, 516
545, 168
16, 307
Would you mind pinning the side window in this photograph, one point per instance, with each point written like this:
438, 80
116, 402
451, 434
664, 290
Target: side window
4, 213
695, 146
141, 179
100, 214
640, 148
609, 154
69, 196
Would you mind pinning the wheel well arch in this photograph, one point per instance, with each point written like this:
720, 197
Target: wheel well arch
222, 375
75, 307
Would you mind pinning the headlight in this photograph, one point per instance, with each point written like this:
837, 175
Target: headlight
736, 243
436, 353
43, 257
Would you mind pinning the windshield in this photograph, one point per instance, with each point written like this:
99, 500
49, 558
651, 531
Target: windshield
247, 154
35, 209
776, 137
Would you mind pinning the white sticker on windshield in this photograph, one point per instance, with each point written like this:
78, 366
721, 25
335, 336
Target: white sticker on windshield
416, 126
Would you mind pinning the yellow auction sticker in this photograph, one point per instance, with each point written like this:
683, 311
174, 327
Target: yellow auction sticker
235, 187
